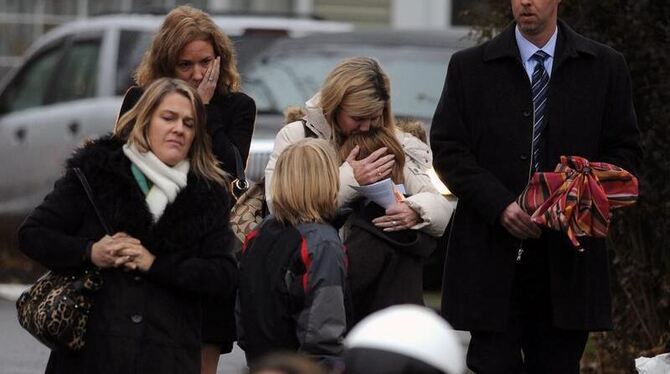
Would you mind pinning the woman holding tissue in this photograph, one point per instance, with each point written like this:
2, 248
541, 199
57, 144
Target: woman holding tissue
157, 184
354, 99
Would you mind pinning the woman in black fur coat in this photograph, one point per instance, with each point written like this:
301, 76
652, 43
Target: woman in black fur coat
160, 189
190, 46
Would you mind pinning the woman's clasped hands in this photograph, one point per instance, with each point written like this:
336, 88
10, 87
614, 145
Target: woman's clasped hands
121, 250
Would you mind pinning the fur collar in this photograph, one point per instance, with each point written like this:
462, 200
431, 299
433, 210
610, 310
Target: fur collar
315, 120
197, 209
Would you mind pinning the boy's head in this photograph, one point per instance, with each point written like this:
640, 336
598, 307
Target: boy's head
305, 183
413, 127
372, 140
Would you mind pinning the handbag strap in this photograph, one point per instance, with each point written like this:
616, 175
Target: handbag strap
240, 182
89, 193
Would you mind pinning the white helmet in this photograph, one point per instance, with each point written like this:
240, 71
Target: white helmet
412, 331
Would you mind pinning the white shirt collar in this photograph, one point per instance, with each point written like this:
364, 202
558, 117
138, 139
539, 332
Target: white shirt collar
527, 49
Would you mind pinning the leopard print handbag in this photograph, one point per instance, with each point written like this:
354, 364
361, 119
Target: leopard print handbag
56, 308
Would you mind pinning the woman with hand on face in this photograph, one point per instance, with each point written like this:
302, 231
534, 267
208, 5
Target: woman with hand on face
158, 186
191, 47
355, 98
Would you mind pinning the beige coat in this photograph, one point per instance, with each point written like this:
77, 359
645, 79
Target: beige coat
433, 208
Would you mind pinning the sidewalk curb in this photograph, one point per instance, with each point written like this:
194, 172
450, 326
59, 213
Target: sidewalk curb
11, 292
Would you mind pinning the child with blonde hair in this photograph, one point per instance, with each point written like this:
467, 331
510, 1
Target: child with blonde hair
293, 266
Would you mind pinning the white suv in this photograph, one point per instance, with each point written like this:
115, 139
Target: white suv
70, 85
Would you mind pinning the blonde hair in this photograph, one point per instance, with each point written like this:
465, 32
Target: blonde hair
360, 87
413, 127
371, 141
133, 126
305, 182
181, 26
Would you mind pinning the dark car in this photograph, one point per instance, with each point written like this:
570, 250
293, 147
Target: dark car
291, 70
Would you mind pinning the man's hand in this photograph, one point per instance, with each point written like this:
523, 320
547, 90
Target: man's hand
518, 223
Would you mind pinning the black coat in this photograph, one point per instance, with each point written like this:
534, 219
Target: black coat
385, 268
481, 141
140, 322
230, 121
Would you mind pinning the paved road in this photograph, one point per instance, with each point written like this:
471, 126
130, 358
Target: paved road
20, 353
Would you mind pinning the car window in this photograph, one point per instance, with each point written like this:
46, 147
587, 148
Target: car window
251, 44
78, 74
417, 73
276, 83
132, 45
29, 88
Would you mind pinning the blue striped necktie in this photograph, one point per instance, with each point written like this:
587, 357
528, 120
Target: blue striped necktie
539, 86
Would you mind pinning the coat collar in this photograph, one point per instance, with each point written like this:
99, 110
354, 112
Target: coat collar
569, 45
314, 118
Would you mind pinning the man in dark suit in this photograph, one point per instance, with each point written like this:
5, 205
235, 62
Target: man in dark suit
510, 107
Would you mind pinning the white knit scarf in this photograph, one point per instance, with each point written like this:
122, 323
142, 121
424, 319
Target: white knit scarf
167, 181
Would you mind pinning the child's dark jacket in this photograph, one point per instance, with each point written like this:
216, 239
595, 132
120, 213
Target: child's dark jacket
291, 294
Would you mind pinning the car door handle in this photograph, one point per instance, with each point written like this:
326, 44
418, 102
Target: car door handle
20, 134
73, 128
